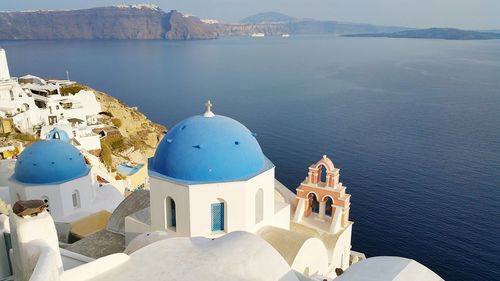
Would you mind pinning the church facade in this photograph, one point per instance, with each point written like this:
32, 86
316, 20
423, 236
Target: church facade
209, 177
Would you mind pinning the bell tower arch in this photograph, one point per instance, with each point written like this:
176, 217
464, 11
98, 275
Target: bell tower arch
334, 202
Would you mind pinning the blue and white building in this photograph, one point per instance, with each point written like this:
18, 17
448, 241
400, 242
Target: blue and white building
209, 177
56, 172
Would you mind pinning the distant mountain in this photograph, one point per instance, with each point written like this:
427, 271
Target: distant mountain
435, 33
118, 22
273, 23
268, 17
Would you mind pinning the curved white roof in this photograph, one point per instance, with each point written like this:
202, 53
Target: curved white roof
388, 269
236, 256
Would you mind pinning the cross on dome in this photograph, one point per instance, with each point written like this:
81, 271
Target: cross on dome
209, 112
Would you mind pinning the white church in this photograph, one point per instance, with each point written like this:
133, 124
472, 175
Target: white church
209, 177
56, 172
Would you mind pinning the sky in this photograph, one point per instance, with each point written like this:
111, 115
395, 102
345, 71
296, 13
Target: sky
467, 14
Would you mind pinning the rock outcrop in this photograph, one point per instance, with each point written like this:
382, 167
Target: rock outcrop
138, 136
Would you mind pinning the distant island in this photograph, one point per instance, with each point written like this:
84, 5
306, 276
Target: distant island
435, 33
145, 22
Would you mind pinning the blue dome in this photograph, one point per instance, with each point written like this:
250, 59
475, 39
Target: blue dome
50, 162
208, 149
58, 134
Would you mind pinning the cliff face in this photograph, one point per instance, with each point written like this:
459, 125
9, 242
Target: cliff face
121, 22
181, 27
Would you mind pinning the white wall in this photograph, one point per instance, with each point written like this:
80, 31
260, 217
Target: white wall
312, 258
13, 100
194, 203
89, 143
341, 252
59, 195
161, 189
34, 241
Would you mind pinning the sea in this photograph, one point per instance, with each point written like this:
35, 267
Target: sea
413, 124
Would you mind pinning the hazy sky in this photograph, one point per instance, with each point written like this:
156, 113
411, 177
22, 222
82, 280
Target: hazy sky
470, 14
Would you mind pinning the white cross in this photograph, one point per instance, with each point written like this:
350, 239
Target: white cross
209, 112
209, 106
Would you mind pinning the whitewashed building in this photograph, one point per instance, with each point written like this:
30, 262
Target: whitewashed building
209, 177
81, 136
56, 172
38, 103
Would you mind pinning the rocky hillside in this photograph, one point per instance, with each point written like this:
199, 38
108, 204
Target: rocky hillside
118, 22
138, 136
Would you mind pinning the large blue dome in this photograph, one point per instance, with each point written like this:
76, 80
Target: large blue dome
50, 162
208, 149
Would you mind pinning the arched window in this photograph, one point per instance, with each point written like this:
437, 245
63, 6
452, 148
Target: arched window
171, 218
76, 199
322, 170
313, 203
259, 206
218, 221
328, 206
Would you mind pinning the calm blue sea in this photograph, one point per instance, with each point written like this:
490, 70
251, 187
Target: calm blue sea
414, 125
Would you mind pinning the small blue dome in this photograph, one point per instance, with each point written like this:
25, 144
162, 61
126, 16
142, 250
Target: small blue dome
208, 149
58, 134
50, 162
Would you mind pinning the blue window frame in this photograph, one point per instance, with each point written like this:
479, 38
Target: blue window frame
218, 217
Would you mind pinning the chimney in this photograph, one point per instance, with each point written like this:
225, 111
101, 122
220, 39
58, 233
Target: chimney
34, 240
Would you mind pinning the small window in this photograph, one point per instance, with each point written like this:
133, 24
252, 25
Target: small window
170, 213
76, 199
218, 217
259, 206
